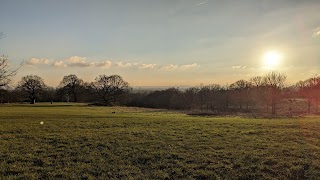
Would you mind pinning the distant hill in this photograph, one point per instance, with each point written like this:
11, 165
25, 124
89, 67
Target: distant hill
154, 88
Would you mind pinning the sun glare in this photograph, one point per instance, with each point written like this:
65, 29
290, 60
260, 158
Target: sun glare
271, 59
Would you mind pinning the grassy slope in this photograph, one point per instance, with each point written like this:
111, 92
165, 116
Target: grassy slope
79, 141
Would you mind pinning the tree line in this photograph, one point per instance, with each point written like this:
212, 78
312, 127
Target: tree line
105, 90
260, 94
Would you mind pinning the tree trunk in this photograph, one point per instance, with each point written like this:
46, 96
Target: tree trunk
274, 109
309, 105
201, 103
75, 96
227, 104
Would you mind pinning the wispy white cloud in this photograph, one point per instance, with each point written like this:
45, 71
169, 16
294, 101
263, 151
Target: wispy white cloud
104, 64
201, 3
189, 66
37, 61
78, 61
147, 66
236, 67
317, 33
123, 64
239, 67
170, 67
59, 64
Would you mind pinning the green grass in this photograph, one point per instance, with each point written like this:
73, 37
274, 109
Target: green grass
86, 142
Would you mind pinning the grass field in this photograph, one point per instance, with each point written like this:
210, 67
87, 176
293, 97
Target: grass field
86, 142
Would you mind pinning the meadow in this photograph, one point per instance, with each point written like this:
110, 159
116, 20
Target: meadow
78, 141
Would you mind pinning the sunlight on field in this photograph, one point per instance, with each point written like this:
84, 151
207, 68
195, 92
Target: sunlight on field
79, 141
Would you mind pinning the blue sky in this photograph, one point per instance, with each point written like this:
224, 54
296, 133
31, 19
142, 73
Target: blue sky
167, 42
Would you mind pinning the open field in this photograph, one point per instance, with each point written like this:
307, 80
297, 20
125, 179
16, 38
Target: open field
79, 141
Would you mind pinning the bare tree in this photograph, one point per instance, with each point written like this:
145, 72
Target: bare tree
241, 89
274, 81
5, 72
310, 90
214, 94
208, 96
191, 97
72, 85
33, 86
203, 94
110, 88
258, 91
257, 81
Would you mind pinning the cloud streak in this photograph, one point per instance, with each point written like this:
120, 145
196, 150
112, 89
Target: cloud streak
36, 61
239, 67
171, 67
60, 64
201, 3
78, 61
147, 66
104, 64
123, 64
189, 66
316, 34
83, 62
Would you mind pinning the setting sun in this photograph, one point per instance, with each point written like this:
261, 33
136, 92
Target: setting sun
271, 59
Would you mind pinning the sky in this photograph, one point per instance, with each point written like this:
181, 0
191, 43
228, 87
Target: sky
161, 43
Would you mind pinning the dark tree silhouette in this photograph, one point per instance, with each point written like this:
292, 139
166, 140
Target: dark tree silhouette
5, 72
32, 86
257, 81
241, 91
71, 84
274, 81
310, 90
209, 96
4, 95
110, 88
202, 93
191, 97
